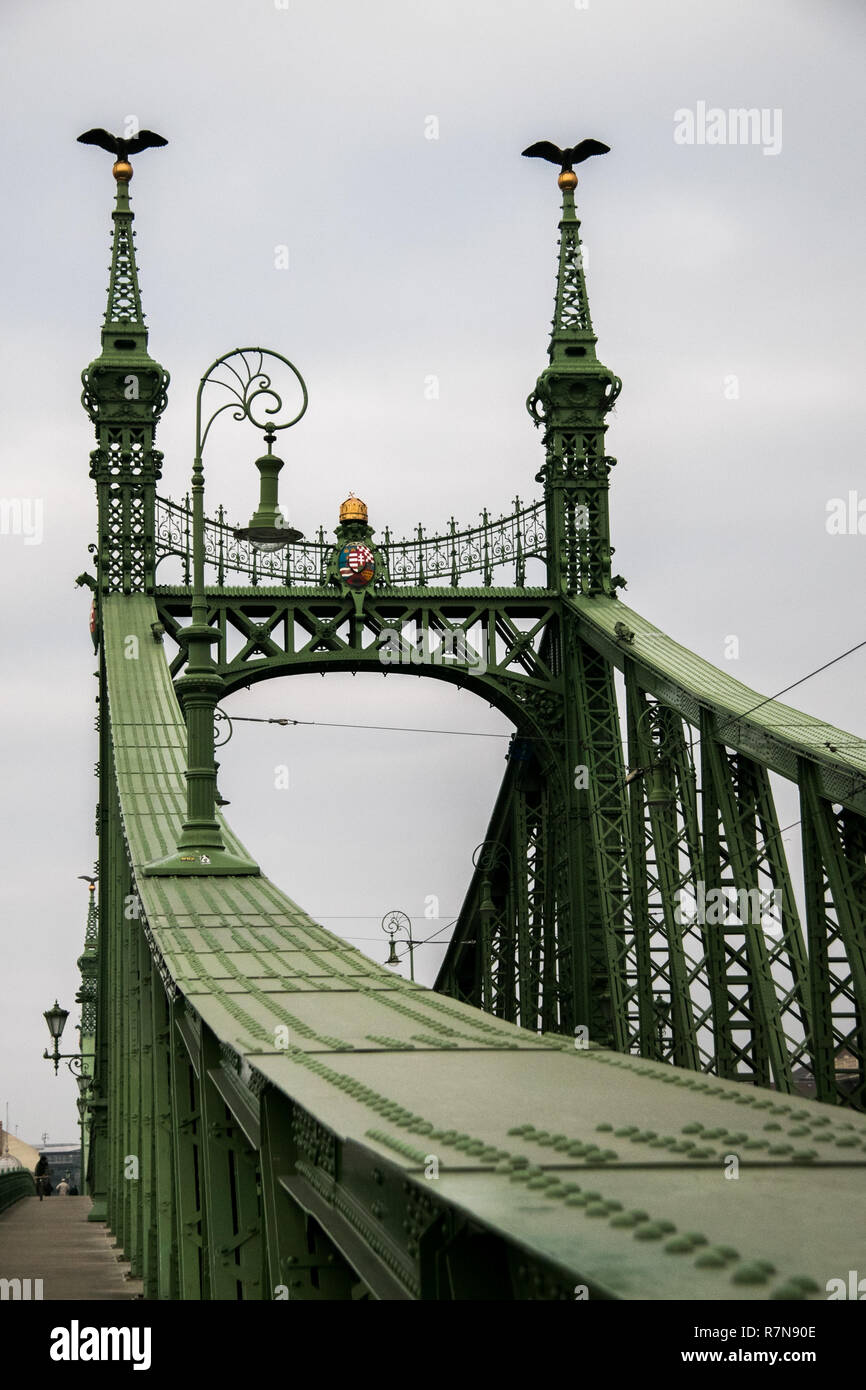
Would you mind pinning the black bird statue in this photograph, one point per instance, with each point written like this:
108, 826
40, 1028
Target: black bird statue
566, 159
120, 148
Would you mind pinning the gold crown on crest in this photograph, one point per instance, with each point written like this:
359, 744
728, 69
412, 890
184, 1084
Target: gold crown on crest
353, 509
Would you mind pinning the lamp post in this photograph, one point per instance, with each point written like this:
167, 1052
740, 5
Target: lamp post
487, 858
393, 923
56, 1019
200, 848
653, 762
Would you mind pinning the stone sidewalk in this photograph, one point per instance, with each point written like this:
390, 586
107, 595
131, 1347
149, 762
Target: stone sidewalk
52, 1240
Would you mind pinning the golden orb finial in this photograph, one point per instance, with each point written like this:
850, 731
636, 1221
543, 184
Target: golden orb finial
353, 509
122, 170
567, 179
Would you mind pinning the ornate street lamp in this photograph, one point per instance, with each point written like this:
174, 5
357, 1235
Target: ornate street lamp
650, 736
56, 1020
488, 859
200, 848
268, 528
394, 922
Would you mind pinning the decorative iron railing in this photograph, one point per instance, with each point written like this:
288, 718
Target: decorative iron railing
416, 561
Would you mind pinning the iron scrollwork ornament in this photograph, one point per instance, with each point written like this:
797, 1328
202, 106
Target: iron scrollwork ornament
250, 382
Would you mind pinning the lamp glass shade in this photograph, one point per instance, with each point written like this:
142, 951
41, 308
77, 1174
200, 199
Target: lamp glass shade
56, 1019
266, 537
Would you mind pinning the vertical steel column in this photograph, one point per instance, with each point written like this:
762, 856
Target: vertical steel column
654, 750
102, 1060
132, 1171
117, 1100
148, 1197
520, 836
603, 842
764, 1047
834, 855
648, 1040
302, 1264
186, 1123
231, 1198
163, 1164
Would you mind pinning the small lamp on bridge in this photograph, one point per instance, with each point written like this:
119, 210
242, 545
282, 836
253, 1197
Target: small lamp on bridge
268, 529
393, 922
56, 1020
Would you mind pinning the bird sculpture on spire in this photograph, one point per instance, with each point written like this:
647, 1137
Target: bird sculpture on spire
567, 158
118, 146
122, 148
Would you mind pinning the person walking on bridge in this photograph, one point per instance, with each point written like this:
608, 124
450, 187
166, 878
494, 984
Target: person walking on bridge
63, 1188
40, 1172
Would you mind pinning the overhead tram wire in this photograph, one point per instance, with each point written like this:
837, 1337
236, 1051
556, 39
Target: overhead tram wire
386, 728
480, 733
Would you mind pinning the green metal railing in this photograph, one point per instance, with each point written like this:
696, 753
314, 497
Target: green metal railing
506, 542
15, 1183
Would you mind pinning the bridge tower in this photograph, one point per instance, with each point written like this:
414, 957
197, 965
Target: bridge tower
124, 396
571, 399
581, 765
562, 886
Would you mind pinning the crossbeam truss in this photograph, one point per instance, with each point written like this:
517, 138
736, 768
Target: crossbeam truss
701, 955
635, 882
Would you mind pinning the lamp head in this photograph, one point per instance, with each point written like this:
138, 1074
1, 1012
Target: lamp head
56, 1020
268, 529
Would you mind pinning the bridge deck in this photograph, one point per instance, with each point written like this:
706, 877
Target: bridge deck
52, 1240
609, 1168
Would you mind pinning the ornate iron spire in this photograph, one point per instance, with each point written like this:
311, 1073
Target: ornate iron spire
571, 398
572, 325
88, 965
123, 314
124, 395
123, 328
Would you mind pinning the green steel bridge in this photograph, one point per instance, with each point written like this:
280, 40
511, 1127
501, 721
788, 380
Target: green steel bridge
637, 993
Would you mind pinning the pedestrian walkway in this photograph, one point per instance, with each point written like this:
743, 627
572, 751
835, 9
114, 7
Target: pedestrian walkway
53, 1241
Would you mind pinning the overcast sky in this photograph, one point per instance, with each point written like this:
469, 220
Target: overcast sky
305, 125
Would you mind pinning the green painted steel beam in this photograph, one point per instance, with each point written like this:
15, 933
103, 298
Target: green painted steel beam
375, 1064
774, 735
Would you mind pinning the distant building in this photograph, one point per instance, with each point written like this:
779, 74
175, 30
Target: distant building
26, 1155
64, 1161
846, 1068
